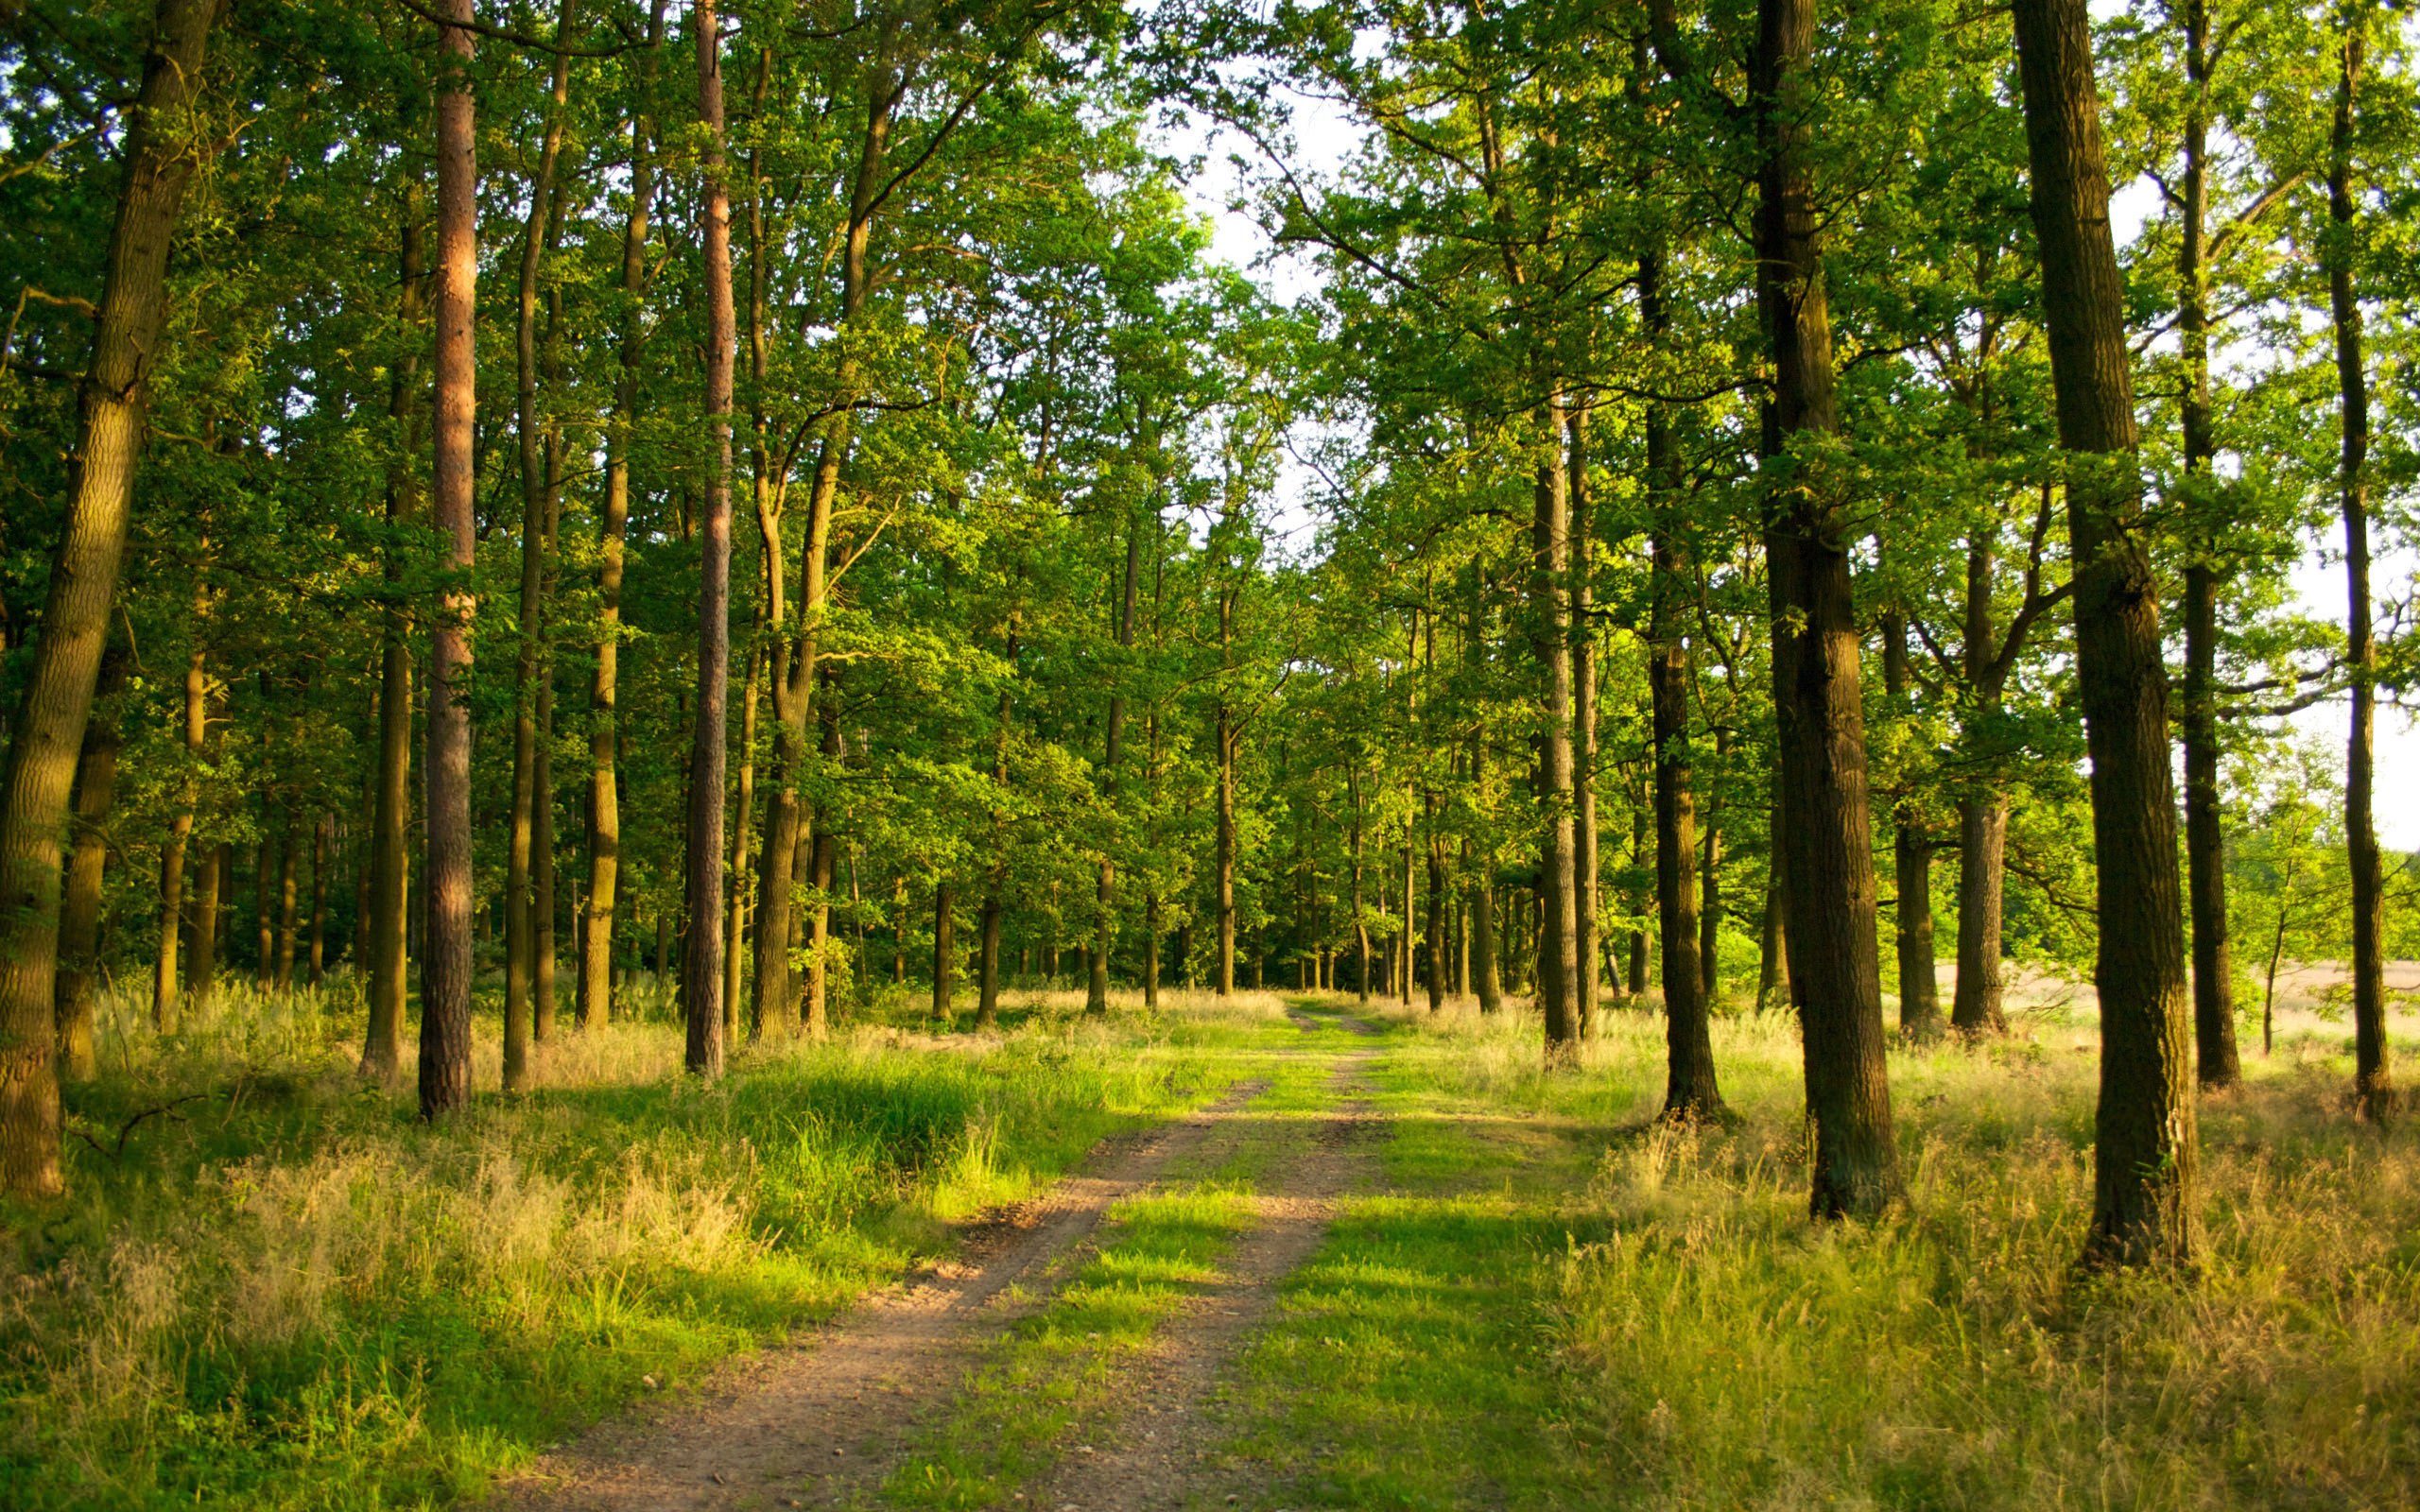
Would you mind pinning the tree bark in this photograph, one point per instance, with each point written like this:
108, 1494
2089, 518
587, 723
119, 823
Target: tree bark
1105, 898
944, 953
48, 735
596, 1001
213, 888
1834, 962
288, 901
2216, 1058
1710, 880
1558, 967
80, 917
2145, 1204
520, 946
1587, 871
2373, 1075
987, 1002
1690, 1090
445, 959
1912, 856
322, 837
1982, 823
702, 951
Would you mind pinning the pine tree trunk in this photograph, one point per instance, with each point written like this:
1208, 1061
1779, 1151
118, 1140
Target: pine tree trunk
445, 957
1834, 959
703, 950
2373, 1075
2146, 1204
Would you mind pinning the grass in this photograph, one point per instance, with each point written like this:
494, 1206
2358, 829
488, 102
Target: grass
1059, 1371
288, 1293
283, 1292
1560, 1302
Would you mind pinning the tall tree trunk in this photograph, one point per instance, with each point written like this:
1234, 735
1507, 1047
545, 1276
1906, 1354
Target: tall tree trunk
1151, 951
520, 952
794, 679
445, 957
987, 1003
1911, 855
288, 901
1834, 957
1975, 1008
79, 916
945, 952
701, 957
48, 735
1982, 824
1105, 899
1230, 737
542, 856
1586, 870
595, 1002
384, 920
1690, 1090
1642, 823
2205, 866
322, 826
264, 916
1773, 940
1710, 879
824, 850
2145, 1202
1558, 967
743, 822
1361, 902
2373, 1076
212, 887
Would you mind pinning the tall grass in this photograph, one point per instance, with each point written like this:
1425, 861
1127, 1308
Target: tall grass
1734, 1355
272, 1287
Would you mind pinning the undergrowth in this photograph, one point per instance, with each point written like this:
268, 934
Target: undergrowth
1726, 1352
272, 1286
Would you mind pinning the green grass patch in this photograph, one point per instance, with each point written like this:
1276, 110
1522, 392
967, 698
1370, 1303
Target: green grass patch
287, 1293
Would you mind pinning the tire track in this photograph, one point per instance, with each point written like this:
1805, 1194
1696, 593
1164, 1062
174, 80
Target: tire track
833, 1412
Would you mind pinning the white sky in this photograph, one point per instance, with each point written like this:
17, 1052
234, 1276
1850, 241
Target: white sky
1325, 138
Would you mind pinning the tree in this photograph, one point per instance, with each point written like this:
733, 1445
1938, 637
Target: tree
2145, 1206
163, 148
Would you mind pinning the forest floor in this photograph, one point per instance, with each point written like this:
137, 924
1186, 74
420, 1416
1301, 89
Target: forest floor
1275, 1254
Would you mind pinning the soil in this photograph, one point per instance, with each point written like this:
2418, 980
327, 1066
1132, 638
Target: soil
822, 1420
1158, 1453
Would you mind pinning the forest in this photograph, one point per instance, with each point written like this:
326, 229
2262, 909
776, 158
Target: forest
1208, 753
